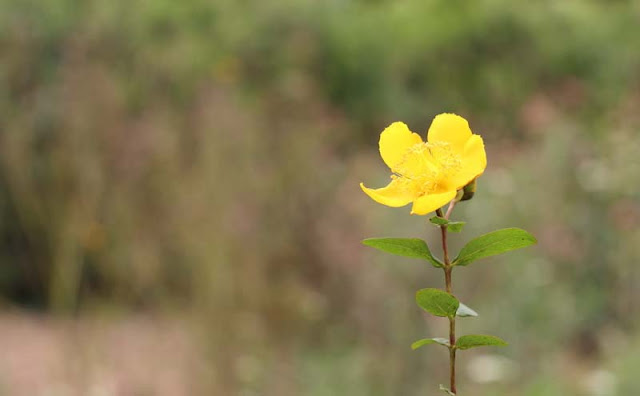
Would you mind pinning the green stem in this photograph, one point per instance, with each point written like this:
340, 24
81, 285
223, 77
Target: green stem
452, 320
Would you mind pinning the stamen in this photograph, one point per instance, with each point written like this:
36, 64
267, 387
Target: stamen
424, 166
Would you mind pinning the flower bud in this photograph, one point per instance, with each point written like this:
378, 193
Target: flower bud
469, 190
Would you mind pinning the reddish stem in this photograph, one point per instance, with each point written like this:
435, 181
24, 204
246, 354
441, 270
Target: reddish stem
447, 278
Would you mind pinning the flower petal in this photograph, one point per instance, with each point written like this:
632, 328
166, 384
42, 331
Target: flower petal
395, 140
449, 128
474, 162
429, 203
392, 195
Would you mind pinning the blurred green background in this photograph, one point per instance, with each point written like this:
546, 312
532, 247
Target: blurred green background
180, 211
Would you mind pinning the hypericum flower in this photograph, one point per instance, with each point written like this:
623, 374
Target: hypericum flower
430, 173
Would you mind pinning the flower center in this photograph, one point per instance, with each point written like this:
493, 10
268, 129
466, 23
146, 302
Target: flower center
425, 167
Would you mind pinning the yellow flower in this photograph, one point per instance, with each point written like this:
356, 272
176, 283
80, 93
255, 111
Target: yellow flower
430, 173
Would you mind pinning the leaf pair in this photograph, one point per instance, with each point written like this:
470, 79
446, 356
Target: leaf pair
440, 303
443, 304
453, 226
487, 245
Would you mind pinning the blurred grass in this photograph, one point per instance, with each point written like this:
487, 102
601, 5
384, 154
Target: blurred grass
204, 157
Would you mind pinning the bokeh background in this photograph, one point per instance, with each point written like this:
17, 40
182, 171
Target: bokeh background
180, 211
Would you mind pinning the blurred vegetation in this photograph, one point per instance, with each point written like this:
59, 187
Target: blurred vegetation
204, 157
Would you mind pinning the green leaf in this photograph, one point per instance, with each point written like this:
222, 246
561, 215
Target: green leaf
427, 341
464, 311
437, 302
476, 340
408, 247
453, 226
493, 243
446, 390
